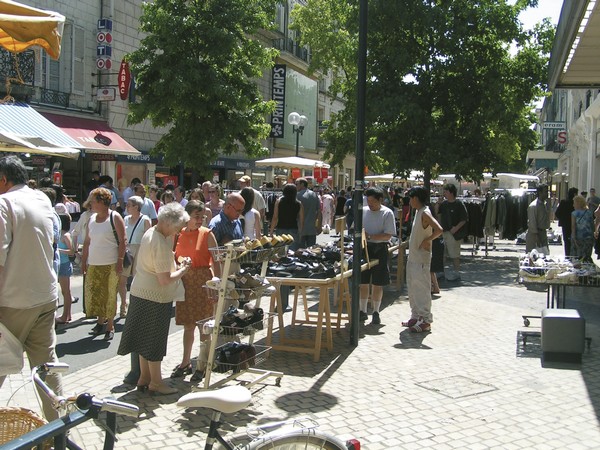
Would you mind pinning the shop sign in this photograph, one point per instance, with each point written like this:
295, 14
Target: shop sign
102, 157
124, 80
143, 158
278, 95
173, 180
38, 160
226, 163
106, 94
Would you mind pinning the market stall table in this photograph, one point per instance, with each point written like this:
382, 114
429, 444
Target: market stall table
323, 319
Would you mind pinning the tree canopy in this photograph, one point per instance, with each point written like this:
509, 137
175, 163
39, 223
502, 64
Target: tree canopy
450, 83
196, 72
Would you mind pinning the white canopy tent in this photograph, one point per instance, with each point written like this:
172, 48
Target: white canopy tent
10, 142
291, 162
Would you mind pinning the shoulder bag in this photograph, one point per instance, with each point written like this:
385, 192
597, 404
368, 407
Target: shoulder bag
127, 257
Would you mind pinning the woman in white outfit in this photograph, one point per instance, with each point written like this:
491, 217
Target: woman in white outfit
252, 225
424, 230
136, 224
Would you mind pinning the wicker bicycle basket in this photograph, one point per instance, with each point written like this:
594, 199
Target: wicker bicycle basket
16, 421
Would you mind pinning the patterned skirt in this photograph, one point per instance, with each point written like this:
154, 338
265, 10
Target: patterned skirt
146, 329
100, 292
197, 306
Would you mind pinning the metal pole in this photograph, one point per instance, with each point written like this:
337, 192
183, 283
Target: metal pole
357, 202
297, 131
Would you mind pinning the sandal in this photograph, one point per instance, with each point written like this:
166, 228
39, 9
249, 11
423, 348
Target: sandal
420, 327
409, 323
179, 371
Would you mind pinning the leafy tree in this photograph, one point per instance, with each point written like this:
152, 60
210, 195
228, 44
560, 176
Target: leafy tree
450, 82
195, 73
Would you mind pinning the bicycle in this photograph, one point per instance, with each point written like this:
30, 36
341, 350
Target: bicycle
87, 407
285, 435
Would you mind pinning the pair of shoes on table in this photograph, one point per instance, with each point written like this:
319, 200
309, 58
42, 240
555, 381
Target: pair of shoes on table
161, 389
109, 335
198, 376
362, 316
420, 326
375, 320
98, 329
179, 372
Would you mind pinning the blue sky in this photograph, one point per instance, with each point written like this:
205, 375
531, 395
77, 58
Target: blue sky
545, 8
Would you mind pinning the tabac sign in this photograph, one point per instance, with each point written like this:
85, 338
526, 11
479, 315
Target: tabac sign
124, 80
278, 94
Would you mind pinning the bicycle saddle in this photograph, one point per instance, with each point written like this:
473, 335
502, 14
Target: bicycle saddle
227, 400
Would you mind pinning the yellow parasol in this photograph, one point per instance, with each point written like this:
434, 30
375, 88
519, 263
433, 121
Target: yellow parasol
22, 26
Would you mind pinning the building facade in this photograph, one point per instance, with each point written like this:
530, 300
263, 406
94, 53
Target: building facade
84, 94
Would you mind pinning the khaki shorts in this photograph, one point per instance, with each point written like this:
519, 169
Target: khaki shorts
451, 246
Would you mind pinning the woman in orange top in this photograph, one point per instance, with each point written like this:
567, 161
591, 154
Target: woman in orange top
194, 242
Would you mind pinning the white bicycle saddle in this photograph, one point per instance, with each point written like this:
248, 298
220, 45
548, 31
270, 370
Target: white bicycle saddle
229, 399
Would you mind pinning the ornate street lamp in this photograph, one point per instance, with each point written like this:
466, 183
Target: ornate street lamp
298, 122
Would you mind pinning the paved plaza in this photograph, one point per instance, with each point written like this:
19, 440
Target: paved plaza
469, 383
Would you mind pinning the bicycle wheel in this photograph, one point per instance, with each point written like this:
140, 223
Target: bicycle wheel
295, 440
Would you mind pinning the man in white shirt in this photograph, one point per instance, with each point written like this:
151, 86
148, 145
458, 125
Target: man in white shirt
148, 208
179, 193
28, 282
129, 190
259, 202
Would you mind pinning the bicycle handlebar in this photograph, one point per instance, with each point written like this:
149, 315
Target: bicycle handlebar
82, 401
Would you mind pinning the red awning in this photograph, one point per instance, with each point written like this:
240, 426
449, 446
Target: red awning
94, 136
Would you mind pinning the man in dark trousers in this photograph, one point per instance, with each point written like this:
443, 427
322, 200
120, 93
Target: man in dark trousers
563, 214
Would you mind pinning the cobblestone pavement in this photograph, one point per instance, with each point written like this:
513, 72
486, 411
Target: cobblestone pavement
470, 383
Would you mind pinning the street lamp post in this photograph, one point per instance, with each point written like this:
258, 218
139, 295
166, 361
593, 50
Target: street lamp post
298, 123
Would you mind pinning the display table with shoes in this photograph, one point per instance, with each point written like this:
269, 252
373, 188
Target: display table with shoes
321, 321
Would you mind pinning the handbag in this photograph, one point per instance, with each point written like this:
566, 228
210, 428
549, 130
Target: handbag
127, 257
11, 352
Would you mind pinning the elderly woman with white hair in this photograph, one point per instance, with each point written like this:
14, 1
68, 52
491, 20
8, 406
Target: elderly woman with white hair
154, 287
136, 224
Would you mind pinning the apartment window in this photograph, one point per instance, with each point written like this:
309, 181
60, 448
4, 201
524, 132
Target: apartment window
78, 65
67, 74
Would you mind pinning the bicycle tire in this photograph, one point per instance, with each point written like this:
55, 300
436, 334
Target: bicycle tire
308, 439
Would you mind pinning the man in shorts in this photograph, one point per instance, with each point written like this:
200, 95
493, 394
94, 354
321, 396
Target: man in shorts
379, 225
453, 218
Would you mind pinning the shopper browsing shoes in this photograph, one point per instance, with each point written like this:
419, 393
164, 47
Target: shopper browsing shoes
152, 293
424, 230
379, 225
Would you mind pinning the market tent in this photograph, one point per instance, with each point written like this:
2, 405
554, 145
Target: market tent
10, 142
22, 26
291, 162
24, 130
386, 178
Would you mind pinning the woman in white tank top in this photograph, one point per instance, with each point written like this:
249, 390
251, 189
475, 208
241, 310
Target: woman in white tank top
102, 262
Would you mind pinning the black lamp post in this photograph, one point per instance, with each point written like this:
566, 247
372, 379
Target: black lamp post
298, 122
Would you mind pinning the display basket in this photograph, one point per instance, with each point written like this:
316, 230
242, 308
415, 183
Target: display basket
228, 358
563, 272
241, 255
243, 295
228, 328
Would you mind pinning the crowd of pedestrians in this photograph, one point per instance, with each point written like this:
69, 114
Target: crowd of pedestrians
149, 247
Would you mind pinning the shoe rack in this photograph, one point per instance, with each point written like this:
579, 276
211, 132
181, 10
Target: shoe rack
230, 257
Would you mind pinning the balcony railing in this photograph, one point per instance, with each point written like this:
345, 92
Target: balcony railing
291, 46
56, 98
